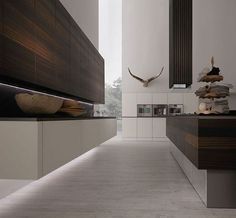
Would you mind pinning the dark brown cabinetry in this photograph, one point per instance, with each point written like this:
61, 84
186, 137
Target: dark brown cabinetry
18, 40
44, 49
209, 142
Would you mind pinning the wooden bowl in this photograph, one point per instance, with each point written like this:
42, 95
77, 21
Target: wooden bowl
38, 103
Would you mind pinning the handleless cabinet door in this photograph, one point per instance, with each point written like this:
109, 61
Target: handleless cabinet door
79, 61
175, 98
1, 16
144, 98
62, 47
45, 38
129, 127
159, 127
159, 98
18, 40
144, 127
96, 81
129, 105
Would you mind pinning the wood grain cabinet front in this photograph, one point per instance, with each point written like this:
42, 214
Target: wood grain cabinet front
62, 48
44, 49
18, 40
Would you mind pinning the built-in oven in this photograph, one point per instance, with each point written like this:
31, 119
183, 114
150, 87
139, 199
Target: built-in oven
144, 110
159, 110
176, 109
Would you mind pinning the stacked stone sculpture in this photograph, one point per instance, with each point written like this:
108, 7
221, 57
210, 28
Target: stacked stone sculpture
213, 96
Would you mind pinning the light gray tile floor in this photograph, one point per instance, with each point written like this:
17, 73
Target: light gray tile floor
118, 179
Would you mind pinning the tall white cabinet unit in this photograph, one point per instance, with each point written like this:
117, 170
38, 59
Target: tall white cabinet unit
159, 98
151, 128
147, 128
129, 105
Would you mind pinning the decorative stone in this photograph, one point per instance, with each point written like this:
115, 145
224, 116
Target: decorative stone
71, 104
212, 92
73, 108
202, 107
37, 103
211, 78
215, 71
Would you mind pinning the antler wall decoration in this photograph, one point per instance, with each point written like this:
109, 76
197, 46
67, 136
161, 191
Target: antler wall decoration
146, 82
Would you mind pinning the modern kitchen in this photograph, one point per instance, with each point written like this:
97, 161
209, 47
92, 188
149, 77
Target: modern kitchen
198, 122
60, 152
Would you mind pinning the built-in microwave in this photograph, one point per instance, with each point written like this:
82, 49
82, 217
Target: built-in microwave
176, 109
144, 110
159, 110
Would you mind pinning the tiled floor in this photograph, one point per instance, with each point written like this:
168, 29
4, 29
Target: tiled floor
117, 179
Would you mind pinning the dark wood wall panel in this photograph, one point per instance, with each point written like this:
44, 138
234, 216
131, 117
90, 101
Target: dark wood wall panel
180, 61
43, 48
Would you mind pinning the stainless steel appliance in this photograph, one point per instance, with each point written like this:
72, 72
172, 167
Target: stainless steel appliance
176, 109
159, 110
144, 110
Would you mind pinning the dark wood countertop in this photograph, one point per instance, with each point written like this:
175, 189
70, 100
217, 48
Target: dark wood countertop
51, 118
195, 116
213, 116
209, 142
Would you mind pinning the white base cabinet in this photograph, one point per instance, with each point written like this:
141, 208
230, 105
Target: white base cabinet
144, 127
32, 149
129, 127
159, 128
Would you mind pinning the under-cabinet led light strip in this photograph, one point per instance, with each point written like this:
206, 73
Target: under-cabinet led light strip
30, 90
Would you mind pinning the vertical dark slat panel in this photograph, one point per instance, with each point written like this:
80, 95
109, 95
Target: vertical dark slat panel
171, 47
181, 57
180, 43
180, 60
190, 39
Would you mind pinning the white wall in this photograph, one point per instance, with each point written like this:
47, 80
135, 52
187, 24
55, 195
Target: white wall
145, 43
85, 13
214, 33
146, 48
